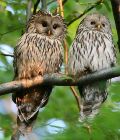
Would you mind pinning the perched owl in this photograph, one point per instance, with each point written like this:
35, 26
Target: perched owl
92, 50
38, 52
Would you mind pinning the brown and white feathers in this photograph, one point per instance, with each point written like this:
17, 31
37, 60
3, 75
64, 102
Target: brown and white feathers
92, 50
38, 52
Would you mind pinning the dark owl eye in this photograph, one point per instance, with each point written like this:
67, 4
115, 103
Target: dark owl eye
103, 24
92, 23
44, 24
55, 26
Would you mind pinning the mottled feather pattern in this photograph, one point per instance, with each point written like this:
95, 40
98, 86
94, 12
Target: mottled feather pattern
92, 50
86, 44
37, 55
38, 52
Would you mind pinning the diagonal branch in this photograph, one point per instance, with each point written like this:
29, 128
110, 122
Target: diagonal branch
86, 11
59, 80
77, 97
5, 54
12, 30
50, 2
35, 6
74, 92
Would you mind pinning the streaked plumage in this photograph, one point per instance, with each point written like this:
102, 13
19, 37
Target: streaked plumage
38, 52
92, 50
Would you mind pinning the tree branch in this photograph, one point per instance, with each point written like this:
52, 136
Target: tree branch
59, 80
64, 1
50, 2
86, 11
44, 5
35, 6
28, 10
61, 9
116, 13
4, 54
13, 30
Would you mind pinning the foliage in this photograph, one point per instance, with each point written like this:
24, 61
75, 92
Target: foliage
59, 119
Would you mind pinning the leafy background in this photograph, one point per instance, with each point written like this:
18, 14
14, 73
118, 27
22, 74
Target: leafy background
59, 119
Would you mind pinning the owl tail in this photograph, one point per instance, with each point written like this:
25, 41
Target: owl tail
93, 96
28, 103
23, 128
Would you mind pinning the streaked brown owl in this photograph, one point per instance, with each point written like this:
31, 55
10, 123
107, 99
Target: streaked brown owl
92, 50
38, 52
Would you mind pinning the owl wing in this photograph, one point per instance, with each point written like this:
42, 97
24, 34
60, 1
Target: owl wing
77, 63
14, 63
35, 55
114, 55
30, 100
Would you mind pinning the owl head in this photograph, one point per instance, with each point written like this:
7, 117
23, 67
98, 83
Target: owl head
46, 24
96, 22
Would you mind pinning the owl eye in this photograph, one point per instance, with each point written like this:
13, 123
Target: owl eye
103, 24
92, 23
55, 26
44, 24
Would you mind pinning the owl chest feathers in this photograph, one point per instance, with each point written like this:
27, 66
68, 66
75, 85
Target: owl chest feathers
91, 50
37, 55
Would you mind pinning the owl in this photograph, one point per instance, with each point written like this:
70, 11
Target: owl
92, 50
38, 52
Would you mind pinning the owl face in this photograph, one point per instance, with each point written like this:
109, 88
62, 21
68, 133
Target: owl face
47, 25
97, 22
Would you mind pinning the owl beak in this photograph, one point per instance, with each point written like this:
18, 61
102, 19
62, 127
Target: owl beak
49, 32
98, 26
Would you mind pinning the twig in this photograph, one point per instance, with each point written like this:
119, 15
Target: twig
61, 7
51, 2
44, 5
86, 11
77, 97
64, 1
66, 59
88, 127
59, 80
2, 34
57, 9
116, 12
87, 3
4, 54
28, 11
65, 43
35, 6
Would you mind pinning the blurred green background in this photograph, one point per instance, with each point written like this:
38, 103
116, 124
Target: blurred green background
59, 119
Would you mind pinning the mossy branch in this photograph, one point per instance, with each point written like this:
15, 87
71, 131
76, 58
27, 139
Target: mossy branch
59, 80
